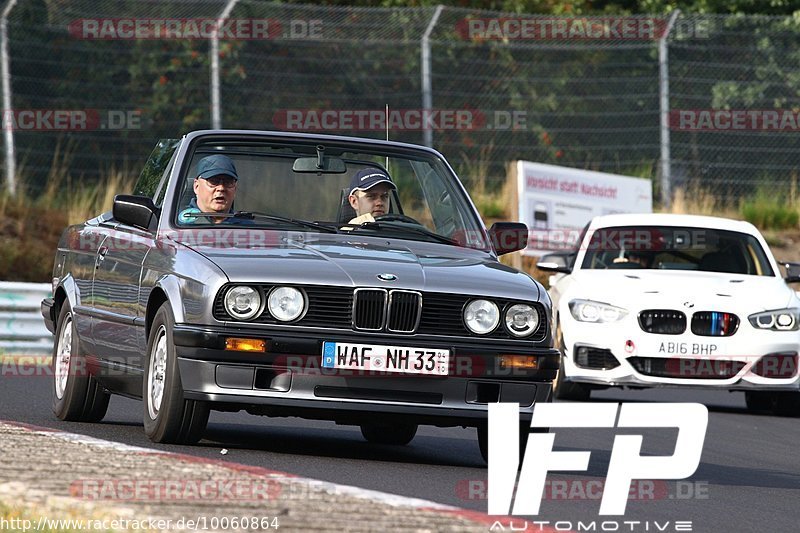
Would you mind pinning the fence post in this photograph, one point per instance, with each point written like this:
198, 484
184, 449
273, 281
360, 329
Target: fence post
5, 73
427, 97
216, 116
663, 93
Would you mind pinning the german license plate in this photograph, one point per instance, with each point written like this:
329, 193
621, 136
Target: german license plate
379, 358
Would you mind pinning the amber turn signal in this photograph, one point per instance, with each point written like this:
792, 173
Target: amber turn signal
237, 344
519, 361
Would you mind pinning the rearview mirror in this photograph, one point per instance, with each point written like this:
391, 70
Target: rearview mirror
134, 210
325, 165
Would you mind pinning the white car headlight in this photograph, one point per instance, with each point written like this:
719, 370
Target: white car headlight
242, 302
778, 320
589, 311
286, 303
481, 316
521, 320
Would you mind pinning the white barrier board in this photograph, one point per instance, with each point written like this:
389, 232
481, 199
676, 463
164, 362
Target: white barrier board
557, 202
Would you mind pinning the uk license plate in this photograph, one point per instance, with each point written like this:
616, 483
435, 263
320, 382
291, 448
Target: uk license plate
378, 358
679, 347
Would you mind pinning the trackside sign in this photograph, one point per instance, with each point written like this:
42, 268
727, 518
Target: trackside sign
625, 466
556, 202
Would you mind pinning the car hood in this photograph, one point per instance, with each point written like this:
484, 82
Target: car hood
659, 289
357, 261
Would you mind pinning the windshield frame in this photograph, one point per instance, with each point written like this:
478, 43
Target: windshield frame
305, 145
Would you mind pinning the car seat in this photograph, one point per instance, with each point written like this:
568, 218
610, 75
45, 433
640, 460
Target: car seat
346, 212
727, 261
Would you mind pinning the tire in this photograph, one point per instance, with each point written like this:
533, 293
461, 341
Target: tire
787, 403
564, 390
168, 416
759, 400
77, 396
396, 434
524, 431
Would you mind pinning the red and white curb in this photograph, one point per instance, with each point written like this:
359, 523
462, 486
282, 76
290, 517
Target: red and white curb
335, 489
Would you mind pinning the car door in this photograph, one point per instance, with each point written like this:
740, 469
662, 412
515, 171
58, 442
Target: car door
115, 295
78, 258
118, 310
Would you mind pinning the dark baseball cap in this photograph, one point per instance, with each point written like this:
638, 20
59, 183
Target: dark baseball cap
369, 177
216, 165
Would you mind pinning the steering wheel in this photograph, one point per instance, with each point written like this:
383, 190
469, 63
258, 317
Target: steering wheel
598, 260
396, 217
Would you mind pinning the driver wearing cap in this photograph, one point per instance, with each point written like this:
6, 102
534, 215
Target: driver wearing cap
369, 194
215, 189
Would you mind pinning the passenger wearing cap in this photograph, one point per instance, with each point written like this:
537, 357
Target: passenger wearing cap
214, 189
369, 194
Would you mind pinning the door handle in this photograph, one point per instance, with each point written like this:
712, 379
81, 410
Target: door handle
101, 255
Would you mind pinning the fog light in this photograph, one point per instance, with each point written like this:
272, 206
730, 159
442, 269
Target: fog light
519, 361
236, 344
777, 366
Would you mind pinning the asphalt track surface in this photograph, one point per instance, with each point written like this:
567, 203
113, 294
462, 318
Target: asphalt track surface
748, 479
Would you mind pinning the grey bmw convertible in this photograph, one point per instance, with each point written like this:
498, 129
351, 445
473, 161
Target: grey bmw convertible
323, 277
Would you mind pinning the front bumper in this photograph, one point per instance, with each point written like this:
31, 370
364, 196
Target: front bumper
288, 380
629, 348
47, 310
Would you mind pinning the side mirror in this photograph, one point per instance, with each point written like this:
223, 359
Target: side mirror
792, 272
558, 262
136, 211
508, 237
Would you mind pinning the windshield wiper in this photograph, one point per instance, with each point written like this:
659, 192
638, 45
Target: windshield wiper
251, 215
407, 229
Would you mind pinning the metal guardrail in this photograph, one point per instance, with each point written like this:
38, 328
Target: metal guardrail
22, 329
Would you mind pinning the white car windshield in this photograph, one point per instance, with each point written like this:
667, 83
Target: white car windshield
676, 248
287, 185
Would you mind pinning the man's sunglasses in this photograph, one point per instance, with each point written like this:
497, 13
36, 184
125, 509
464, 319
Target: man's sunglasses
216, 181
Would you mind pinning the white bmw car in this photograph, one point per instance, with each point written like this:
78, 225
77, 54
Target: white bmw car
651, 300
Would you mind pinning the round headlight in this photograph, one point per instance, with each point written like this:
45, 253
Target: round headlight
521, 320
765, 321
784, 321
286, 303
609, 314
242, 303
481, 316
589, 312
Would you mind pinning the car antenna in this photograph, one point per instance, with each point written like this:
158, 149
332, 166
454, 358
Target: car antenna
386, 115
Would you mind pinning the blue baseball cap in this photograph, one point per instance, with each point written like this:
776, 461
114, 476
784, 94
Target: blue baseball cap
216, 165
369, 177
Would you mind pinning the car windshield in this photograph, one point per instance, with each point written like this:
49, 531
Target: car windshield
290, 185
676, 248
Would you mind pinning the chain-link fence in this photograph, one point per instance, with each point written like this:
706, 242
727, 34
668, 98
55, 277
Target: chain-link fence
718, 98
